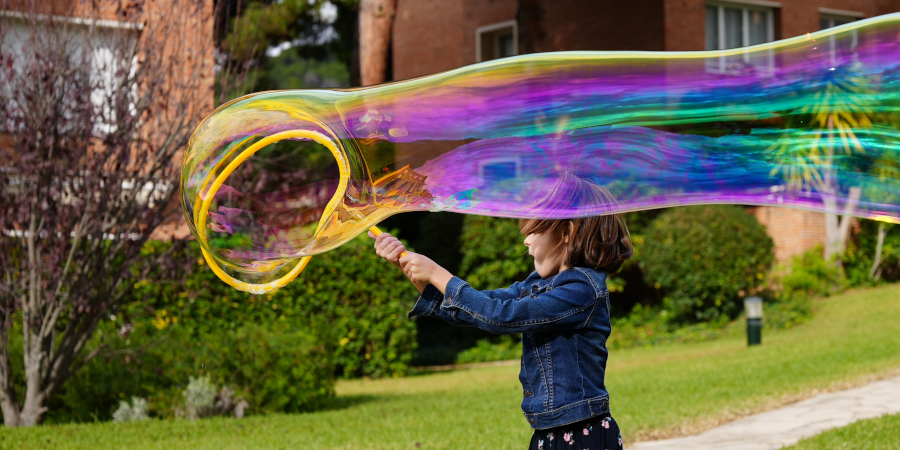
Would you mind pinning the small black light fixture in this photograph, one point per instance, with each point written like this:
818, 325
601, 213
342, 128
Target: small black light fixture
754, 308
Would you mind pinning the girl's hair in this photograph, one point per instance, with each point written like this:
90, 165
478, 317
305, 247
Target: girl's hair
599, 242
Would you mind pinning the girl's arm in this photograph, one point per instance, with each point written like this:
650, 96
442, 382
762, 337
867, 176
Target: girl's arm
390, 248
571, 303
424, 269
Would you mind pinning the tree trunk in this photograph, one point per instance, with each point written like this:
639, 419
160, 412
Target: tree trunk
376, 18
65, 274
837, 227
874, 273
33, 409
8, 403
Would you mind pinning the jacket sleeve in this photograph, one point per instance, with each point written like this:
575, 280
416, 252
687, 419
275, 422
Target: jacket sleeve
569, 305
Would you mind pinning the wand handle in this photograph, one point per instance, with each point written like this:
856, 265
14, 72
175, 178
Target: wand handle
376, 231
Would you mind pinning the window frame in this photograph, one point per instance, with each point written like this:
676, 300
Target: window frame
500, 160
720, 65
95, 28
832, 15
480, 31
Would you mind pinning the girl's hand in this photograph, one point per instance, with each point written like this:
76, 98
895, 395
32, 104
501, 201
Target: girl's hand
388, 247
422, 270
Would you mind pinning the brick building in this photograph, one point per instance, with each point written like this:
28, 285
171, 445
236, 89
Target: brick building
190, 40
432, 36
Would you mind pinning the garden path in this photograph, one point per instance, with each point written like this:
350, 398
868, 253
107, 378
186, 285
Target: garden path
775, 429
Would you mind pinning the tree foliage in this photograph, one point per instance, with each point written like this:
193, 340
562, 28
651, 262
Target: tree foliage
706, 259
362, 298
94, 117
493, 253
318, 33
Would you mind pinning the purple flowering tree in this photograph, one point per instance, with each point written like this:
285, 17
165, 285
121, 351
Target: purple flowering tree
96, 102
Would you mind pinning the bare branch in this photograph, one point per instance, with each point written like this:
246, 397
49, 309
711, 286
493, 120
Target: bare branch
94, 114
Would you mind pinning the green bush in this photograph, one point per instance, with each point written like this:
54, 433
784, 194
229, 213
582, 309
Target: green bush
810, 275
276, 367
493, 256
504, 348
361, 296
647, 326
787, 313
120, 372
493, 252
860, 254
705, 259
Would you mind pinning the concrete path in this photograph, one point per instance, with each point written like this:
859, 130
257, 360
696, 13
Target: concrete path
775, 429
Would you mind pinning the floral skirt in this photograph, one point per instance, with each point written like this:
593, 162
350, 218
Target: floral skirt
596, 433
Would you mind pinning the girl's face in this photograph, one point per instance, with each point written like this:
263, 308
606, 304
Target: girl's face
549, 252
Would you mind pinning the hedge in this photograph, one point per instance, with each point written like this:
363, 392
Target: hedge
275, 367
493, 252
363, 299
706, 259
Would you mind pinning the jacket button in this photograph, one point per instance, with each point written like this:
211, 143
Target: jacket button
531, 420
528, 393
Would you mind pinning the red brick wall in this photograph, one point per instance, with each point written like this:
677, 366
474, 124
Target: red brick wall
793, 230
685, 19
799, 17
436, 35
479, 13
432, 36
605, 25
685, 25
887, 6
428, 37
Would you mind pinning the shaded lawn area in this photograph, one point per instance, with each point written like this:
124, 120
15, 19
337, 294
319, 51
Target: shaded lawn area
656, 392
880, 433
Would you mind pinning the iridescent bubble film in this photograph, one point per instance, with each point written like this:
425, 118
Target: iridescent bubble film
810, 122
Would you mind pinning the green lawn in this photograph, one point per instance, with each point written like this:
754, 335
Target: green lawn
881, 433
656, 392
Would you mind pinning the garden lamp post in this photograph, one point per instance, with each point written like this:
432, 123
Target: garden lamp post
754, 308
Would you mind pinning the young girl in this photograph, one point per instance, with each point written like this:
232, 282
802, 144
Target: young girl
561, 309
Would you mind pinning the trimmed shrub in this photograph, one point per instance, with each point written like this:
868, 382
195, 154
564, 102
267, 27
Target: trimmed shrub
121, 371
810, 275
861, 250
199, 397
505, 348
136, 411
787, 313
493, 256
365, 299
493, 253
276, 367
706, 259
280, 352
362, 297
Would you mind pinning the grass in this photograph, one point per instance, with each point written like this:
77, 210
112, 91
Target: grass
656, 392
880, 433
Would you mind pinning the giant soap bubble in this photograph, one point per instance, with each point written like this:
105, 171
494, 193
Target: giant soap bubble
811, 122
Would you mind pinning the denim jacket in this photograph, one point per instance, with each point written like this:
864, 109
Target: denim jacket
564, 321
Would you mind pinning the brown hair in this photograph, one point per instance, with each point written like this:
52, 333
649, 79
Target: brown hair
598, 242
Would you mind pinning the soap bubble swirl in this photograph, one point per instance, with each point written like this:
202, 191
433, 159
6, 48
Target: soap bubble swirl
811, 122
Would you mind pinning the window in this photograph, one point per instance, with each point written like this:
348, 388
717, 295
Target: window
106, 47
734, 25
498, 170
499, 40
845, 44
828, 21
